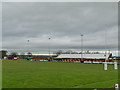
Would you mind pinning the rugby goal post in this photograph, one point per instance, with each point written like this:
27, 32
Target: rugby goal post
105, 65
115, 65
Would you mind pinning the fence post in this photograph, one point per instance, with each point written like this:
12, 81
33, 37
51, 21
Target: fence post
105, 65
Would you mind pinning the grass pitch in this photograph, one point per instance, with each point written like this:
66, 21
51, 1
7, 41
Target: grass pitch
36, 74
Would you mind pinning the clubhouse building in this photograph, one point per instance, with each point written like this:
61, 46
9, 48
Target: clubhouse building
85, 57
76, 57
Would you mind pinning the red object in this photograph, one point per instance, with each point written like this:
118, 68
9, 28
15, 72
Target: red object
10, 58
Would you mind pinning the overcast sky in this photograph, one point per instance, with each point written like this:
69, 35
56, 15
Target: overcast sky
62, 22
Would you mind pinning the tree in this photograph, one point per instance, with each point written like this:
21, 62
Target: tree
29, 54
59, 52
74, 52
3, 53
69, 52
88, 52
14, 54
22, 55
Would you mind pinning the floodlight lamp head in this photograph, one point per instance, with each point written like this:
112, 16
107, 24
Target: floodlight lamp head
81, 34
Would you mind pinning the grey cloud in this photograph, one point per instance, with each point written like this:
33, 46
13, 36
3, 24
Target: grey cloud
63, 22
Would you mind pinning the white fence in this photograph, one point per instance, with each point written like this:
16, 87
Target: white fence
98, 62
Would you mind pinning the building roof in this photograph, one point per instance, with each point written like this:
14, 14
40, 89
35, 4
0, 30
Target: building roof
44, 55
87, 56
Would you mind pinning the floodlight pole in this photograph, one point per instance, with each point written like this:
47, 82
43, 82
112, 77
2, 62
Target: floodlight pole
49, 48
105, 64
28, 49
105, 45
81, 47
28, 45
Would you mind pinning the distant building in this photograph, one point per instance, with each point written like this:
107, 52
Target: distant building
85, 57
3, 53
116, 57
98, 57
43, 56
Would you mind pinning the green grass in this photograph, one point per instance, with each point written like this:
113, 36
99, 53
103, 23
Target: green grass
35, 74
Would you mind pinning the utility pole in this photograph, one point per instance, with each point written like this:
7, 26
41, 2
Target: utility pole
49, 48
105, 45
28, 50
105, 64
82, 47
